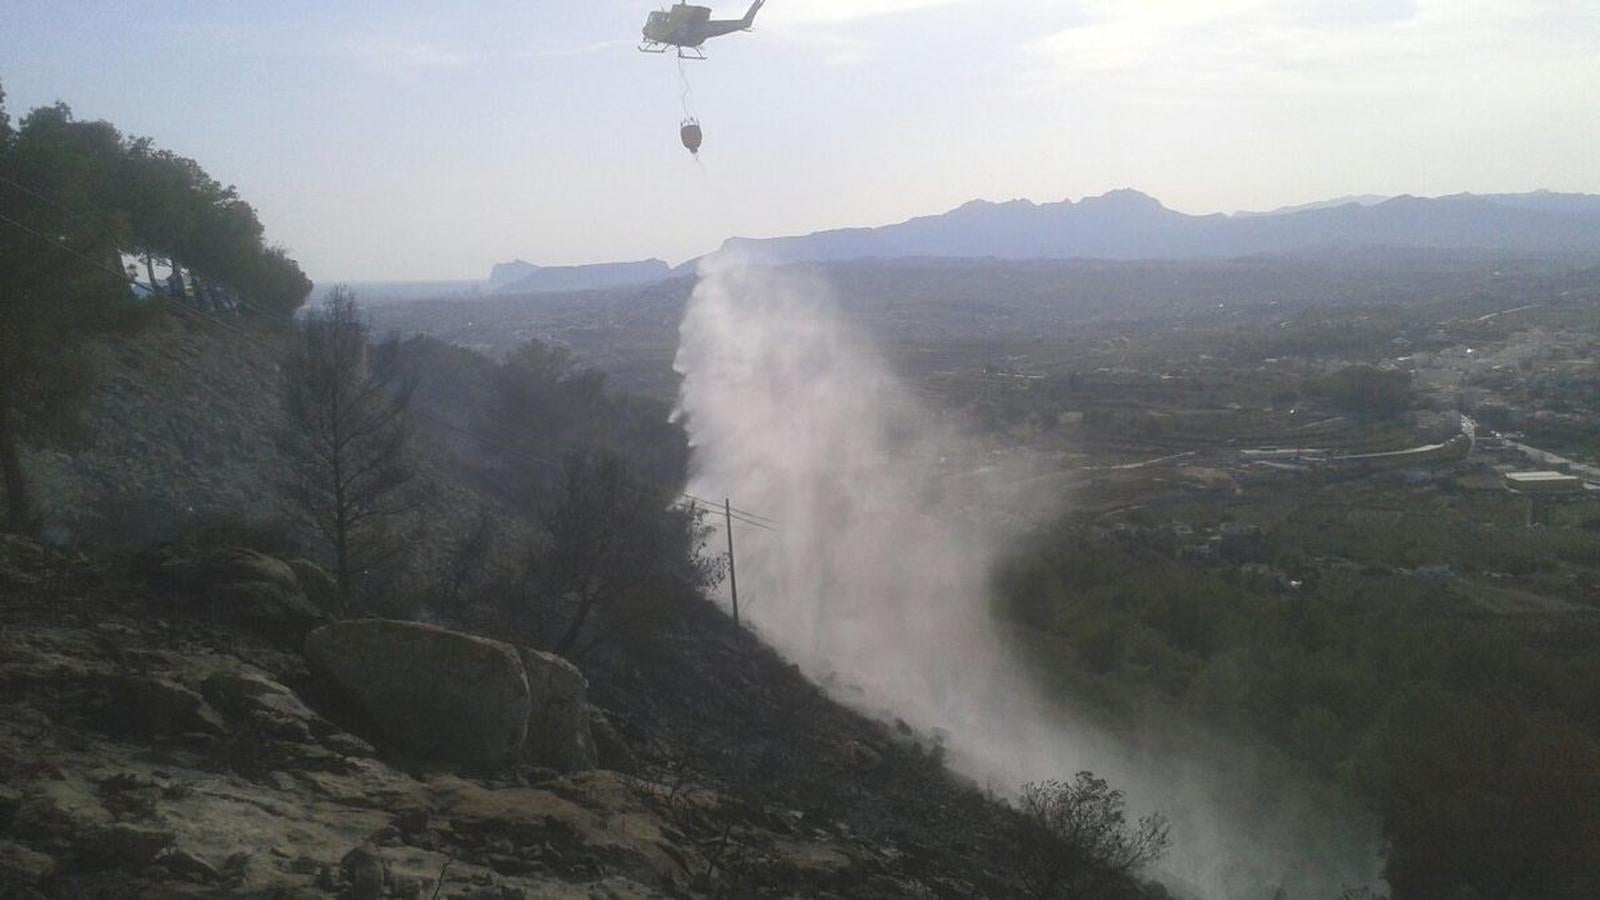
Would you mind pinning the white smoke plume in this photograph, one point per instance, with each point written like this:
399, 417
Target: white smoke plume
876, 583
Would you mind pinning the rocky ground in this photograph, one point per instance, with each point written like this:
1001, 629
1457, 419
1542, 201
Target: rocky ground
162, 737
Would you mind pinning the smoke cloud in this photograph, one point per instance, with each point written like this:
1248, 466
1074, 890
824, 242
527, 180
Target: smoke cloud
876, 583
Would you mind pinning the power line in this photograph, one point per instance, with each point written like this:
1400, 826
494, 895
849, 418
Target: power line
737, 512
510, 434
523, 454
41, 197
99, 219
747, 516
58, 244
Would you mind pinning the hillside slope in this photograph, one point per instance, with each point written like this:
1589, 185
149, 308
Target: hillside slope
152, 747
180, 430
151, 750
182, 438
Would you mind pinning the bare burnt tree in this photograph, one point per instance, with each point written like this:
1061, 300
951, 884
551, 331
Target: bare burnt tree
348, 403
1076, 840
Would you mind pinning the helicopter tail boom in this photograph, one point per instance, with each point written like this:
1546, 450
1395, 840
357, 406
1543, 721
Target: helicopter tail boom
720, 27
749, 19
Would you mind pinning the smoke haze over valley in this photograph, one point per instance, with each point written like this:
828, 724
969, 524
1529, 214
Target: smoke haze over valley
875, 577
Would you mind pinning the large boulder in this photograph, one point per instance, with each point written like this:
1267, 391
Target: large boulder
438, 693
207, 568
558, 727
266, 607
318, 585
244, 586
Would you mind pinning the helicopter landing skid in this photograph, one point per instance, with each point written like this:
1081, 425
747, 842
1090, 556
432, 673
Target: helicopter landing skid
694, 53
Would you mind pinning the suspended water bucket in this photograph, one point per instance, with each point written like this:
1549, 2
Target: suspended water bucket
692, 136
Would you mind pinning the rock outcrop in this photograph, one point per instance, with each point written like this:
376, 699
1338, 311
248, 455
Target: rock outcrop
318, 585
216, 779
149, 756
435, 692
242, 586
559, 737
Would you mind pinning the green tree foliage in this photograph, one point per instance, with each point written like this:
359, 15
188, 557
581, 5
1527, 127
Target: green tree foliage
274, 281
182, 215
77, 196
156, 204
588, 546
1368, 391
617, 554
546, 403
1076, 840
348, 404
1479, 795
59, 282
1474, 737
617, 550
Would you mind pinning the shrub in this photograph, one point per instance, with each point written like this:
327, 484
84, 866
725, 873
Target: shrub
1075, 840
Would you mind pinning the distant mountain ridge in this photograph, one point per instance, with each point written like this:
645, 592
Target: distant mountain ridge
1126, 224
519, 277
1358, 199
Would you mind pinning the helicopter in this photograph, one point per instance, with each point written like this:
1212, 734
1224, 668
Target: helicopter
688, 28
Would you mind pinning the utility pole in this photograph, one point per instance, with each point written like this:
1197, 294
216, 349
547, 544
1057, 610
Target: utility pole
733, 573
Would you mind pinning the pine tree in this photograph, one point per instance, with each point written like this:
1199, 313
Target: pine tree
59, 282
348, 404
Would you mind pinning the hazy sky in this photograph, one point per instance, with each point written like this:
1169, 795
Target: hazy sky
420, 140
